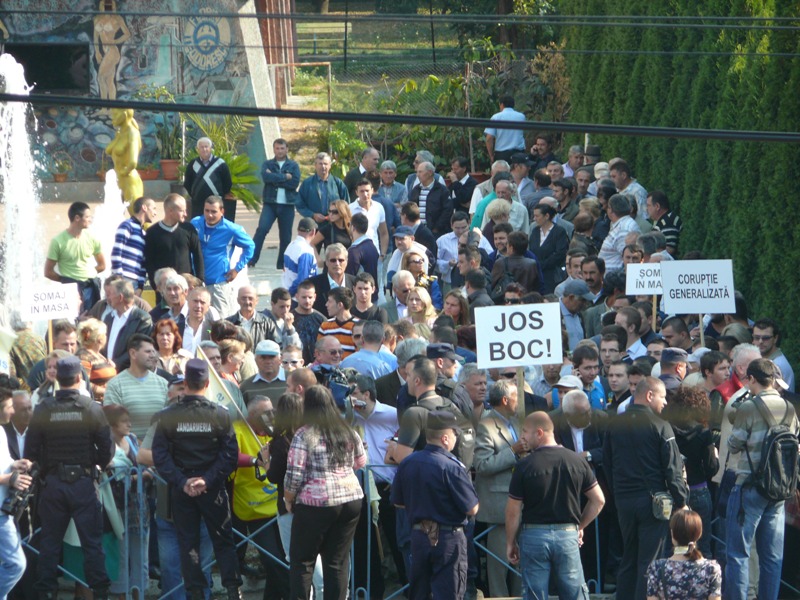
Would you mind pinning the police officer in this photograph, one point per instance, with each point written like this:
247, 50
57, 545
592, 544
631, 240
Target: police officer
195, 450
68, 437
438, 495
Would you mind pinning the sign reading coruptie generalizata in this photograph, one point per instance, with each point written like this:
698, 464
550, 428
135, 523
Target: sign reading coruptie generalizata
51, 301
698, 287
518, 335
643, 279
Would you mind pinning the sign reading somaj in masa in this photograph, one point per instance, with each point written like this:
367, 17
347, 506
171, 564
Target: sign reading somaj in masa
698, 286
51, 301
518, 335
643, 279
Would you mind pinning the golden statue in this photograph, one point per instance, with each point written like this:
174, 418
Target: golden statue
124, 151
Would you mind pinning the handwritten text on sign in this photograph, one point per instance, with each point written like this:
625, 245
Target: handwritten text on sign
518, 335
698, 286
51, 301
643, 279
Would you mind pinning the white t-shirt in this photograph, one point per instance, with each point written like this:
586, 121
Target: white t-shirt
375, 215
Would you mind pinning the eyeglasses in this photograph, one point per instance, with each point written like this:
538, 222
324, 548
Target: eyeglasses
334, 352
337, 260
762, 338
416, 261
356, 336
290, 362
513, 300
333, 211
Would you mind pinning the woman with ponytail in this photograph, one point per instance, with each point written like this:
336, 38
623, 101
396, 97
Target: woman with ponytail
685, 575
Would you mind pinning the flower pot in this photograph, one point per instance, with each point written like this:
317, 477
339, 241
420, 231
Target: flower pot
148, 174
101, 176
170, 169
60, 177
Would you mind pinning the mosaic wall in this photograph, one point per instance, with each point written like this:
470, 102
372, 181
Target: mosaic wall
200, 59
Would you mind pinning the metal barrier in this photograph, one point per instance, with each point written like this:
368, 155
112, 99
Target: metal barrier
140, 581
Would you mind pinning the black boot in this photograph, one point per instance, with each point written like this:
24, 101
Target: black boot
101, 594
233, 593
196, 594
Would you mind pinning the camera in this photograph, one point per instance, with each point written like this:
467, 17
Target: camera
336, 381
18, 500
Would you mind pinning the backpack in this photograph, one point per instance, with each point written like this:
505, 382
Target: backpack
465, 447
777, 472
499, 290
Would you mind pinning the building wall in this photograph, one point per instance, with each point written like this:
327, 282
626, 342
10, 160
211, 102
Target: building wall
199, 57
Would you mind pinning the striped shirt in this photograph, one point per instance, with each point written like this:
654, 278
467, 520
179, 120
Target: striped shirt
423, 201
750, 429
142, 397
670, 225
127, 255
342, 332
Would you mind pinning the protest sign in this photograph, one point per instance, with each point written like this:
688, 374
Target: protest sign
643, 279
698, 287
518, 335
50, 301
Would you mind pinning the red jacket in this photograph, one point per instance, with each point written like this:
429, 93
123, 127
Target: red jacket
730, 387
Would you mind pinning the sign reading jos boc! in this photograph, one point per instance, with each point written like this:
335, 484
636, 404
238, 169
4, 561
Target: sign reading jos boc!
518, 335
698, 286
51, 301
643, 279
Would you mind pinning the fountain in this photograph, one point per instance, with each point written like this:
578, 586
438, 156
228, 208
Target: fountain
20, 190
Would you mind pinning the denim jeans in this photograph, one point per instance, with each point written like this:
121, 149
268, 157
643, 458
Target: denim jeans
284, 214
169, 552
543, 550
751, 516
12, 558
700, 501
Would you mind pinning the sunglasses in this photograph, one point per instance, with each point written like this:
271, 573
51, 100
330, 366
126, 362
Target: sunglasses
337, 260
513, 300
416, 261
334, 352
333, 212
508, 375
290, 362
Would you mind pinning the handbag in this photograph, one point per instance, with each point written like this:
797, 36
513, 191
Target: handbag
661, 503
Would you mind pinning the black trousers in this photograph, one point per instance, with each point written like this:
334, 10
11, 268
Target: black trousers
214, 509
387, 518
58, 502
276, 586
366, 531
438, 571
644, 539
502, 155
327, 531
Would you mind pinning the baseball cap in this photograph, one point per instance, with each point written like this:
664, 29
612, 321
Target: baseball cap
578, 287
403, 231
571, 382
435, 351
267, 348
520, 158
306, 224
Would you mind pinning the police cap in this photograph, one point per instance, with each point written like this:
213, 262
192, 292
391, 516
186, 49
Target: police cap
68, 367
442, 419
435, 351
196, 373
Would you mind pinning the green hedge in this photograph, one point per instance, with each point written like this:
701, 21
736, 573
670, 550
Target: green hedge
738, 200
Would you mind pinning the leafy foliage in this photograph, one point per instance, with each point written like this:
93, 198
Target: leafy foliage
735, 198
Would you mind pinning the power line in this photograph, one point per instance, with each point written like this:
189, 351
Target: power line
638, 21
460, 122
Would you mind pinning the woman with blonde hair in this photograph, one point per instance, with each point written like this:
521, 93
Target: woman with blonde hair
498, 211
336, 230
420, 307
231, 352
414, 263
92, 338
48, 385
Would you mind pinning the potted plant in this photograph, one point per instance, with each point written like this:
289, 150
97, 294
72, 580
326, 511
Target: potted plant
101, 173
149, 172
169, 130
61, 168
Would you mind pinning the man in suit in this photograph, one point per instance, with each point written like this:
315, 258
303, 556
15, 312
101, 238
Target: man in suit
388, 386
395, 306
462, 184
367, 168
498, 447
124, 321
175, 290
333, 276
17, 427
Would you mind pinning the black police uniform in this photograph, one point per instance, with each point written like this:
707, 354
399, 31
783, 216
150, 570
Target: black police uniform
435, 487
194, 438
68, 436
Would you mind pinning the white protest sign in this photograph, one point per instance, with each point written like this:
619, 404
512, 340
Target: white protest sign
51, 301
643, 279
698, 287
518, 335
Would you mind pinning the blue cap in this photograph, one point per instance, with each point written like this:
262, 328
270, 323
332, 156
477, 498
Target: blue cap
68, 367
403, 231
196, 373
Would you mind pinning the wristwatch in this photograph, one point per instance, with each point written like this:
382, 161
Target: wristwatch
253, 461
